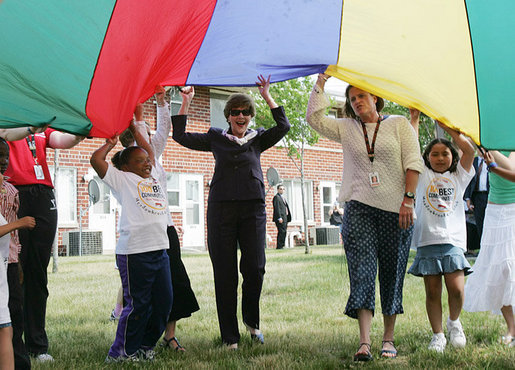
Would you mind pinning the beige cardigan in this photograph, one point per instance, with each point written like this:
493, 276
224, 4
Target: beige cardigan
396, 150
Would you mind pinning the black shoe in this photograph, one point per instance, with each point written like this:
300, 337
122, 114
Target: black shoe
167, 343
257, 336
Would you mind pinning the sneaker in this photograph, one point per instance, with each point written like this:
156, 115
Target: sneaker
113, 316
508, 340
132, 358
438, 342
146, 354
456, 334
44, 357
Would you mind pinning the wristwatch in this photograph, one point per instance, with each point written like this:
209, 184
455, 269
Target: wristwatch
491, 166
409, 195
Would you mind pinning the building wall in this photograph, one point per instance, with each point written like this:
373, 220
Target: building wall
322, 163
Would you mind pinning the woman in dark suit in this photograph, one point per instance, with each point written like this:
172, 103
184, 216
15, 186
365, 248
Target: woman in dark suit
236, 204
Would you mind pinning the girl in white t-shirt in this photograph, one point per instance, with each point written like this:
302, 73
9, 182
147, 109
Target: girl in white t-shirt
141, 255
440, 232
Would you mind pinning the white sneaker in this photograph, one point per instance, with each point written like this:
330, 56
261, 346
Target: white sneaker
456, 334
44, 357
508, 340
132, 358
146, 354
438, 342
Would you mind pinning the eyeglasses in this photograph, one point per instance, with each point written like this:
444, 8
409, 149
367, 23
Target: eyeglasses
236, 112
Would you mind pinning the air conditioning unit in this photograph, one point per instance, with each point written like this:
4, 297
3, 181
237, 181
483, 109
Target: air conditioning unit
91, 241
327, 235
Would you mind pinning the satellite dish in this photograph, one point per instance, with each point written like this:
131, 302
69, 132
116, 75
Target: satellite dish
93, 191
272, 176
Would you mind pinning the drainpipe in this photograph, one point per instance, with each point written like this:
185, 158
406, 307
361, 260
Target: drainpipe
55, 247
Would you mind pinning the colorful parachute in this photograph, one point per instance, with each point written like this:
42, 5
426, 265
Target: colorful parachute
83, 65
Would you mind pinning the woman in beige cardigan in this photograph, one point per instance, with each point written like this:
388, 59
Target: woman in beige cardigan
382, 162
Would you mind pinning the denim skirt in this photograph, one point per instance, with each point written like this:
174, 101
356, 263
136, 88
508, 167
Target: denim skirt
439, 259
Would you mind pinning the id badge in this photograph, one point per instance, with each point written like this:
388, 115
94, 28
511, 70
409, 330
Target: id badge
38, 170
374, 179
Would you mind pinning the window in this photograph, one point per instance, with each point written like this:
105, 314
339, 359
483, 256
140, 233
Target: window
192, 202
103, 206
175, 101
217, 104
293, 195
328, 196
172, 182
66, 194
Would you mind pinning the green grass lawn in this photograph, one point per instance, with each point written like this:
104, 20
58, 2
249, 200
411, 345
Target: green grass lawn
302, 318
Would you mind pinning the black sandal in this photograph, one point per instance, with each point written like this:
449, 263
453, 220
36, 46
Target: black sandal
367, 356
389, 353
168, 344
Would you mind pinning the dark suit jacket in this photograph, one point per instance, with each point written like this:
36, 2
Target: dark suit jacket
238, 174
280, 207
473, 182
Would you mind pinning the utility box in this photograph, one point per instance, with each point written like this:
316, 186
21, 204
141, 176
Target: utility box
327, 235
91, 242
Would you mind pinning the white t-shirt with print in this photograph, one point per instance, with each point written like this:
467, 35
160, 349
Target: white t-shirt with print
440, 208
5, 240
144, 216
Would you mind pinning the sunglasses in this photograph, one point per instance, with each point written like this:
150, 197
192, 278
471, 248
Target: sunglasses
236, 112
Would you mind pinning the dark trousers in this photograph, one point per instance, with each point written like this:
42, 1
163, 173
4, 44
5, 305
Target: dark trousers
230, 223
373, 240
184, 300
479, 200
281, 233
21, 357
147, 291
37, 201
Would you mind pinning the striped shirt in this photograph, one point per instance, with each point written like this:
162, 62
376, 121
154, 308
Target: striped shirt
9, 203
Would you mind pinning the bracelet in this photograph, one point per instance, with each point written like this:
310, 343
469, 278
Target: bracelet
490, 166
408, 205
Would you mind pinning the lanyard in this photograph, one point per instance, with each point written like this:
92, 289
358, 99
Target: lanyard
32, 146
371, 149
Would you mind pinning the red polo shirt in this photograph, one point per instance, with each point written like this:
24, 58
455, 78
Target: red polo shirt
21, 161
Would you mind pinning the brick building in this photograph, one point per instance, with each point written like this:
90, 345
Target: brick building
188, 182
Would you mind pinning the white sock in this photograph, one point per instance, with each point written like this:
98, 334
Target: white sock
454, 322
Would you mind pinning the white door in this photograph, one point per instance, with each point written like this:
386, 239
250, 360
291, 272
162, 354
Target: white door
328, 197
192, 201
102, 216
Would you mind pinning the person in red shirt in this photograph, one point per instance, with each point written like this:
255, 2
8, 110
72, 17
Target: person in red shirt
28, 172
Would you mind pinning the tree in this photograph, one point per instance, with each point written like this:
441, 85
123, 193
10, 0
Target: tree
293, 95
426, 129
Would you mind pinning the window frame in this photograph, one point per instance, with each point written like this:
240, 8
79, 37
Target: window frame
178, 207
323, 213
294, 199
74, 222
175, 101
